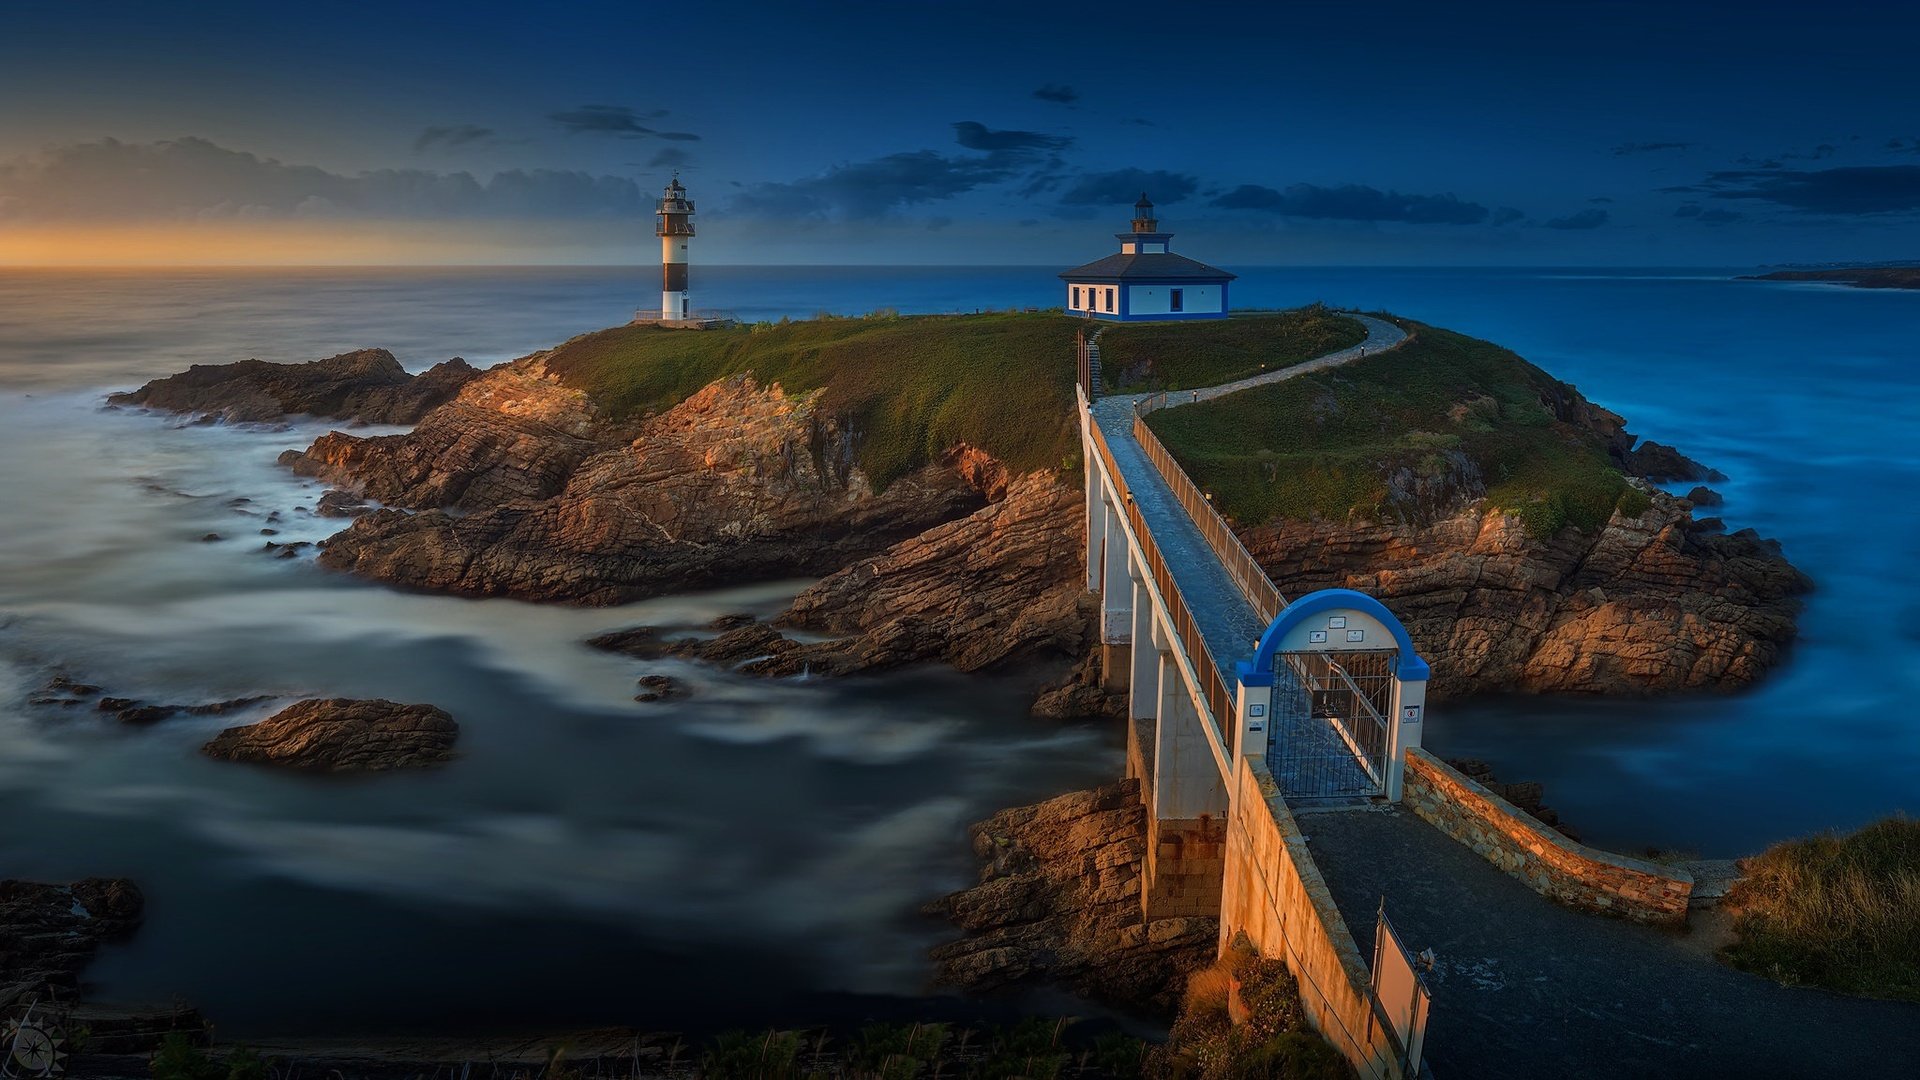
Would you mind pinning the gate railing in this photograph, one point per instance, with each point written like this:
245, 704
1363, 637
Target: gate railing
1253, 582
1214, 688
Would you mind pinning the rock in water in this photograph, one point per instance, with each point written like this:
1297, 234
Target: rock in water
368, 385
49, 932
1059, 901
342, 735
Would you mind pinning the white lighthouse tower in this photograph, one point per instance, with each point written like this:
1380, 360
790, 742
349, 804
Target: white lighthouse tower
675, 228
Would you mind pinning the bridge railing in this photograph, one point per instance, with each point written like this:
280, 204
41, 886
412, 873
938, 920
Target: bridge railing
1214, 688
1253, 582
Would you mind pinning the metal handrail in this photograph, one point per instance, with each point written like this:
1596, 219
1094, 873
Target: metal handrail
1247, 574
1213, 686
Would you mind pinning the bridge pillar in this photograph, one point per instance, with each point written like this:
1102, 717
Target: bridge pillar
1187, 829
1096, 524
1116, 605
1253, 709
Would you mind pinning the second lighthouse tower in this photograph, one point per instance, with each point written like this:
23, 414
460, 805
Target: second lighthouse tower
675, 228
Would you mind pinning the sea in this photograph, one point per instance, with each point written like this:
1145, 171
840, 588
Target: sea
757, 852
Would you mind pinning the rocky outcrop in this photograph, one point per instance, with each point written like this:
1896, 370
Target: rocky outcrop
1059, 901
368, 386
740, 482
48, 933
342, 735
512, 434
1645, 605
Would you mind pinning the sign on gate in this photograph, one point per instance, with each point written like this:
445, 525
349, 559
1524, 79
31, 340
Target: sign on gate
1399, 995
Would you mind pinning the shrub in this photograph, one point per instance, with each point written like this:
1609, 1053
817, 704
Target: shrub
1842, 912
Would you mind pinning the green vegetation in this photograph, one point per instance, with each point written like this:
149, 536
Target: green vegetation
909, 387
1842, 912
1408, 435
179, 1059
1033, 1049
1182, 355
1271, 1042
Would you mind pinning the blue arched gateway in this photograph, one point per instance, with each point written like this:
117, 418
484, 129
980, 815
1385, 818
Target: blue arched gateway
1345, 692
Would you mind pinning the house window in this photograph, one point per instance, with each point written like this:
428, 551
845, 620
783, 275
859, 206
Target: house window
1176, 300
1110, 293
1076, 296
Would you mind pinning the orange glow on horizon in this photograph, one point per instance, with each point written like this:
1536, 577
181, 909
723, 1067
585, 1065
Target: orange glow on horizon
307, 243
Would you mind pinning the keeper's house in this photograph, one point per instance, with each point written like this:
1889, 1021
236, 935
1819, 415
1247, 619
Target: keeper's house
1146, 281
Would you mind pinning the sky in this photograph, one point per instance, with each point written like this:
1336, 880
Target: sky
1664, 134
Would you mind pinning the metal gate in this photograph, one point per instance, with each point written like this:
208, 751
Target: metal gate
1331, 729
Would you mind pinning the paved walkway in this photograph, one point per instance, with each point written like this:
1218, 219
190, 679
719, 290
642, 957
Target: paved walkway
1228, 623
1526, 988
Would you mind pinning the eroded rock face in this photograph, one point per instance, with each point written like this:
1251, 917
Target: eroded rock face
1002, 583
48, 933
367, 385
342, 735
1646, 605
1059, 900
738, 483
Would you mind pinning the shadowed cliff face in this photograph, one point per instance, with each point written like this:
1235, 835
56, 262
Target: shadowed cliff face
368, 385
1645, 605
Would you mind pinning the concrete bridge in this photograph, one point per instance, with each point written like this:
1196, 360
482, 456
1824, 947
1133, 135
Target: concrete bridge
1255, 722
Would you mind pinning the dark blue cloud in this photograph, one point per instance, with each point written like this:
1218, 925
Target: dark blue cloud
1708, 216
615, 120
194, 179
1122, 186
452, 135
977, 136
1055, 92
1591, 218
1354, 202
1854, 189
1506, 215
871, 189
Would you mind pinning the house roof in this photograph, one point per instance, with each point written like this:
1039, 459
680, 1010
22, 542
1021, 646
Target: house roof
1152, 266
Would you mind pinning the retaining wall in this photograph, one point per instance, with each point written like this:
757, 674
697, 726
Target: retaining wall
1552, 865
1274, 894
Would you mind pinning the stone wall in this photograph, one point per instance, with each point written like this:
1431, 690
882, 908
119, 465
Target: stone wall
1275, 895
1186, 861
1550, 864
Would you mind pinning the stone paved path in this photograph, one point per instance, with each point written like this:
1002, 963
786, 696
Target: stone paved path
1526, 988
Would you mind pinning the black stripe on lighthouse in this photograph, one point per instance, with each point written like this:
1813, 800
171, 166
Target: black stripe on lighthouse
674, 277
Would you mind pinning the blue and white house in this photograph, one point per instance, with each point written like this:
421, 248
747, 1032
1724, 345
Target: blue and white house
1146, 281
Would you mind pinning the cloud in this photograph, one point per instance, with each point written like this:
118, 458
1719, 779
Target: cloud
1648, 147
1601, 199
977, 136
1353, 202
1853, 190
1709, 216
1591, 218
1506, 215
1122, 186
618, 121
669, 157
194, 179
1055, 92
871, 189
451, 136
1903, 146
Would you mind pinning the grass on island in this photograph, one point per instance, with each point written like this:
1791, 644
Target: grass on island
910, 387
1406, 435
1183, 355
1840, 912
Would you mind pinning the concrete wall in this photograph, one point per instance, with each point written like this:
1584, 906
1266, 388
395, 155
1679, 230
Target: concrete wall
1552, 865
1275, 895
1153, 299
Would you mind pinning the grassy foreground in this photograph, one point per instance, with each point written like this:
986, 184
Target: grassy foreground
1183, 355
910, 387
1441, 420
1842, 912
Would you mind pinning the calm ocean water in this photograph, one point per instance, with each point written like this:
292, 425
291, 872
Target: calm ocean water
755, 854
